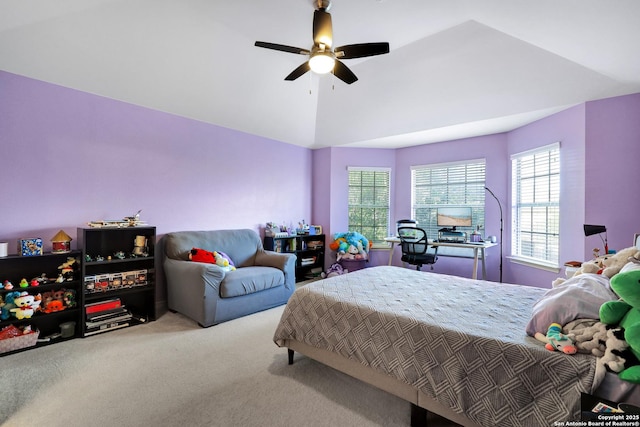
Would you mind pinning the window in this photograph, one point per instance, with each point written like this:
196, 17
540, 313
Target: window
450, 184
535, 201
369, 202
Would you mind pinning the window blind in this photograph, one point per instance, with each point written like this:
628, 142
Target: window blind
450, 184
369, 200
536, 205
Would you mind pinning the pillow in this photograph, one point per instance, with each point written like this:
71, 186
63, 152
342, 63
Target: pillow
630, 266
201, 255
579, 297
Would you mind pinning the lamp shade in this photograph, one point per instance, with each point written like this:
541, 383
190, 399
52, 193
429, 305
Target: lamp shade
321, 63
590, 230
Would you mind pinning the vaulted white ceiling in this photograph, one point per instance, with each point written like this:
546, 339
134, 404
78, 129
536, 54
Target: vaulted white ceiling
457, 68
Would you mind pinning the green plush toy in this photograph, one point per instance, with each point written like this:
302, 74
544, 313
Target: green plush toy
626, 313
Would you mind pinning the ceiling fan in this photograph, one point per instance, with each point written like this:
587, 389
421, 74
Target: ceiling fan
321, 58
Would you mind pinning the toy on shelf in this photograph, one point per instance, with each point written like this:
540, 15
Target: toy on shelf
61, 243
5, 309
25, 306
68, 269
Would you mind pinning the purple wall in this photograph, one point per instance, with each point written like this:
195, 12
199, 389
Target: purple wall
492, 148
600, 143
70, 157
612, 156
567, 127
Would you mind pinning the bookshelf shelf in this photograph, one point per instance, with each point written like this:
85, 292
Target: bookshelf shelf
14, 268
117, 292
309, 250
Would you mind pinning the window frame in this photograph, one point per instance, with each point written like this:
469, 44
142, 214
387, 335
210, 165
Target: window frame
551, 235
376, 244
478, 206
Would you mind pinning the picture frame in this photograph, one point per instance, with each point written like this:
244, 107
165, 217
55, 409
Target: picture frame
30, 247
317, 229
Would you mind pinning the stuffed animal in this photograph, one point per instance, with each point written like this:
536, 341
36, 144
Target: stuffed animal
343, 245
557, 341
608, 265
9, 303
606, 343
24, 306
334, 270
201, 255
626, 314
223, 260
613, 263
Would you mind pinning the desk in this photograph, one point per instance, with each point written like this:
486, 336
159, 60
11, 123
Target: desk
477, 249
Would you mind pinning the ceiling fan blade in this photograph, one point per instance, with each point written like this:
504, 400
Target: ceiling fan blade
322, 28
282, 48
343, 72
298, 71
361, 50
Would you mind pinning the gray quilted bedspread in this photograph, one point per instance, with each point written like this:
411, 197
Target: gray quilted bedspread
458, 340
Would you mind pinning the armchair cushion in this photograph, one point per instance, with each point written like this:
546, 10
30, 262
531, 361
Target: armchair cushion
248, 280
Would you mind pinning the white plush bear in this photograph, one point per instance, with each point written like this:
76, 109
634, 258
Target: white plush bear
614, 262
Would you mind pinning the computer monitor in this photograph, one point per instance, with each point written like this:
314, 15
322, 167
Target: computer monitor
453, 217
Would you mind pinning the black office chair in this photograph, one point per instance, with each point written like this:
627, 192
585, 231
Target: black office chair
414, 247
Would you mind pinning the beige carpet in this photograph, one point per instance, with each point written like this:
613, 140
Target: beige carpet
172, 372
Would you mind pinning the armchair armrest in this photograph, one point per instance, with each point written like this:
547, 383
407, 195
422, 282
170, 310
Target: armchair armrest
193, 277
284, 262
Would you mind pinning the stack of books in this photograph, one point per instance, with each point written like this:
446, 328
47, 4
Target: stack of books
106, 315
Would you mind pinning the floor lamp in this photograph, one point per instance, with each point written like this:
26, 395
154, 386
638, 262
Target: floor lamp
501, 227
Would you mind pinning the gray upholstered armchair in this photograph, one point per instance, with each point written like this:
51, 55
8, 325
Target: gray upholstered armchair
208, 293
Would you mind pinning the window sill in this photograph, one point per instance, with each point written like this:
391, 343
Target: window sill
381, 246
531, 262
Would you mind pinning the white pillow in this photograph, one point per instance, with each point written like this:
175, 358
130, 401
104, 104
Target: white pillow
630, 266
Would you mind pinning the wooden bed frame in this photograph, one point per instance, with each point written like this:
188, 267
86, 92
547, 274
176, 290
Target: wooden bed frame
420, 402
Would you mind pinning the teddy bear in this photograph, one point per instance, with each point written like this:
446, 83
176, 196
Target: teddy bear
625, 313
613, 263
608, 265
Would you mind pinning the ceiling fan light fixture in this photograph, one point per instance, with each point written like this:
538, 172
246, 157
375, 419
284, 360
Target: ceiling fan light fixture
322, 62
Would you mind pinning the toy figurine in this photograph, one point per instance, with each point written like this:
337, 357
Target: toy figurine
24, 283
8, 284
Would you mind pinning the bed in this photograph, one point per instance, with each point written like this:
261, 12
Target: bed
466, 358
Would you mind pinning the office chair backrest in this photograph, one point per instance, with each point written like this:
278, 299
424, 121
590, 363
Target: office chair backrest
413, 240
